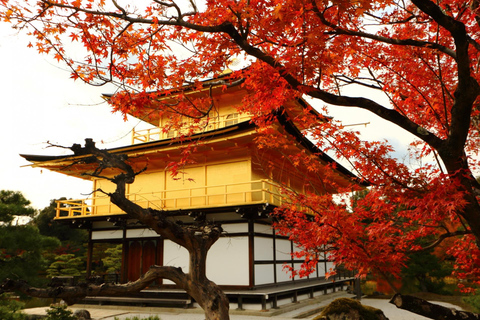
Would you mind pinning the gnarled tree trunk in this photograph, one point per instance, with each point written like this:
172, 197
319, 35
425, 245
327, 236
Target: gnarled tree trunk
197, 239
430, 310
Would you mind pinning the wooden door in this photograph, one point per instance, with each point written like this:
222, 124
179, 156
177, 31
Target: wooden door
149, 255
134, 261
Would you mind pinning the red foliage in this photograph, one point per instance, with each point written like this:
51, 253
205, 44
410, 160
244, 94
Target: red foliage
422, 55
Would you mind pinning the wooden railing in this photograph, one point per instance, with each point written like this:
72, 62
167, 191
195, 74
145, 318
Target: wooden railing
154, 134
259, 191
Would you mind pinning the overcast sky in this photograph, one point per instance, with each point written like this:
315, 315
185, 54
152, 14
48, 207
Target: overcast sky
41, 103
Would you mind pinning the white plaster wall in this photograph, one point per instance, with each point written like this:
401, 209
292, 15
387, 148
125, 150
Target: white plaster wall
297, 267
283, 249
262, 228
264, 274
141, 233
282, 275
227, 261
321, 269
296, 248
263, 248
235, 227
107, 234
330, 266
174, 255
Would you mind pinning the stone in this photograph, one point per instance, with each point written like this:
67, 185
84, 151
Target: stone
350, 309
82, 314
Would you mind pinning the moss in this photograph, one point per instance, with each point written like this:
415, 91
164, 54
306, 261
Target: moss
345, 305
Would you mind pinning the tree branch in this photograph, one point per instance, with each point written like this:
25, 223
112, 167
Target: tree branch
445, 236
174, 21
403, 42
188, 237
360, 102
73, 294
467, 89
430, 310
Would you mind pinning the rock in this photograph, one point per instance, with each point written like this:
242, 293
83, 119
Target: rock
350, 309
82, 314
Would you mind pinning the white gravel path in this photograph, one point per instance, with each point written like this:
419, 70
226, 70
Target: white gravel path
391, 312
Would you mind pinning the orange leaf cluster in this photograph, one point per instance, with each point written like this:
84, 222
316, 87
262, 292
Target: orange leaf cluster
423, 56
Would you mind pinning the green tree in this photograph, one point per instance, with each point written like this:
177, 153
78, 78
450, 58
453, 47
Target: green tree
10, 309
103, 252
113, 260
72, 240
13, 204
59, 313
426, 271
21, 246
65, 265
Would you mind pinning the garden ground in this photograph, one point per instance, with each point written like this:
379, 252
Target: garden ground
303, 310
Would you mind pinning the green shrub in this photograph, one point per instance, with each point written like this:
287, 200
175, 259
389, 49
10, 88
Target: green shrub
474, 302
10, 309
368, 287
65, 265
30, 302
113, 259
59, 313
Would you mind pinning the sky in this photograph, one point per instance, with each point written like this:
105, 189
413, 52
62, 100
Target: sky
40, 104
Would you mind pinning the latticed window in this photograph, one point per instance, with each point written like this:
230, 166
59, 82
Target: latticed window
231, 119
171, 134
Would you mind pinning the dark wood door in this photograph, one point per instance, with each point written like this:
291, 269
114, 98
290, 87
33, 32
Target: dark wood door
134, 261
149, 255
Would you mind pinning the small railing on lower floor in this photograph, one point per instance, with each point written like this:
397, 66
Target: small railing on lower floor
252, 192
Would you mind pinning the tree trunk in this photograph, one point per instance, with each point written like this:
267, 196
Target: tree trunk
205, 292
455, 160
430, 310
211, 298
197, 238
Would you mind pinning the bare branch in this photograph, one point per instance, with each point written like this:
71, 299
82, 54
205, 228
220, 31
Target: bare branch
445, 236
73, 294
405, 42
430, 310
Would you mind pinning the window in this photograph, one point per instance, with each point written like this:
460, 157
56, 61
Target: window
171, 134
231, 119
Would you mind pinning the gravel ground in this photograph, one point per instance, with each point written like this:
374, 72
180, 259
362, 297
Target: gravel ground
393, 313
121, 313
390, 311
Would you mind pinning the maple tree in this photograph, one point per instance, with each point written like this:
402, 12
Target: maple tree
422, 55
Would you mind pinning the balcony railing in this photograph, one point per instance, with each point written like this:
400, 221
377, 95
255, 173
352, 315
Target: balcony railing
154, 134
259, 191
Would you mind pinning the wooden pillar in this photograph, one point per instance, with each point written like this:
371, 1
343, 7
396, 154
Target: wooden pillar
159, 259
240, 302
124, 268
274, 256
251, 252
325, 261
292, 261
89, 254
